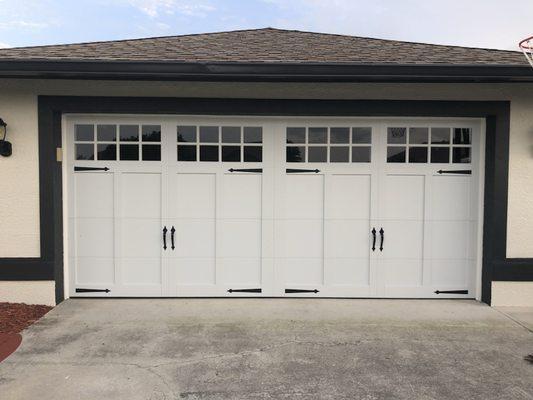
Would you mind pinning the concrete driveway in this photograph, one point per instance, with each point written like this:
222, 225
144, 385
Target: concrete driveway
271, 349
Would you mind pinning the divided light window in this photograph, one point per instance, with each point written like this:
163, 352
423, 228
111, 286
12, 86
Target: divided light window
328, 144
110, 142
429, 145
220, 143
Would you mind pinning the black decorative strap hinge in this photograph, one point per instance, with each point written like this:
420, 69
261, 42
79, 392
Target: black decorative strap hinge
91, 169
256, 170
244, 290
81, 290
301, 290
297, 170
451, 292
455, 171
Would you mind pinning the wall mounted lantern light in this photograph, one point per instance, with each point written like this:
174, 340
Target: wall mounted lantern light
5, 146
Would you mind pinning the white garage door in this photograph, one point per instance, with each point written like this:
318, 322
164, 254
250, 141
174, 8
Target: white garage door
213, 206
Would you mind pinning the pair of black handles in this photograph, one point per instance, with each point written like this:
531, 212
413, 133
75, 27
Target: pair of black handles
382, 237
172, 232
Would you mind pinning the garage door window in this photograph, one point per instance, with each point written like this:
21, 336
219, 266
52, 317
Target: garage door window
328, 144
220, 143
429, 145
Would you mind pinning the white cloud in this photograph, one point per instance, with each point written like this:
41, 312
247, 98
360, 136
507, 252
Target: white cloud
4, 45
22, 24
154, 8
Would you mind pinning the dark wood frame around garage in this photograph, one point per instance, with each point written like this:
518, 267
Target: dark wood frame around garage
496, 266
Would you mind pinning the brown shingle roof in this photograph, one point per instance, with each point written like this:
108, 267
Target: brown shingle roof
268, 45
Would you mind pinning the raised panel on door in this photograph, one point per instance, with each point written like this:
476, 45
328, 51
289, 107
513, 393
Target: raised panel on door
140, 228
92, 222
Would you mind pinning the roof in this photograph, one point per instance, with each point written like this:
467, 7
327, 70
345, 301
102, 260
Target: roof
265, 55
268, 45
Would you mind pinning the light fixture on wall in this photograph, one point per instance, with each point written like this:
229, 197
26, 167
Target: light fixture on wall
5, 146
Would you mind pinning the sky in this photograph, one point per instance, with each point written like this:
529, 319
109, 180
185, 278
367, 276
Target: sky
477, 23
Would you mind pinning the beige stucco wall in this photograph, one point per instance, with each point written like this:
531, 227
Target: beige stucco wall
19, 203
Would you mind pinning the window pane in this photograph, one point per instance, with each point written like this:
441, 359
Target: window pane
318, 135
106, 133
418, 154
396, 135
151, 133
208, 134
339, 135
231, 134
107, 151
362, 135
418, 135
231, 153
461, 136
361, 154
186, 153
253, 134
440, 135
395, 154
440, 154
317, 154
208, 153
129, 152
461, 155
84, 152
151, 152
129, 133
84, 133
253, 153
339, 154
296, 154
186, 134
295, 135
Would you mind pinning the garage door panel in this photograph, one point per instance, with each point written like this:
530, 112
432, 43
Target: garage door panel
141, 270
94, 194
303, 238
402, 240
95, 237
302, 271
140, 195
452, 274
347, 271
402, 272
347, 238
402, 197
348, 196
195, 271
193, 195
245, 272
450, 239
304, 196
239, 238
95, 270
445, 188
195, 238
140, 238
241, 196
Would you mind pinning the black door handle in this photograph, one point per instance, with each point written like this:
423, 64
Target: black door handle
382, 234
373, 239
165, 230
172, 231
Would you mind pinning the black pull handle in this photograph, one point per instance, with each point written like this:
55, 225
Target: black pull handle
382, 235
172, 231
373, 239
165, 230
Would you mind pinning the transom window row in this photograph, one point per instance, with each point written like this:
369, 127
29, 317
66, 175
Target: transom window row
220, 143
429, 145
328, 144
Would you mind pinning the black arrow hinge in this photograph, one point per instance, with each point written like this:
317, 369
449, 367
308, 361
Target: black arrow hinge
456, 171
244, 290
82, 290
91, 169
451, 292
298, 170
301, 290
256, 170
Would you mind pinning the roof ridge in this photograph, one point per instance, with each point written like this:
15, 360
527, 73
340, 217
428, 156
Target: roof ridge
257, 30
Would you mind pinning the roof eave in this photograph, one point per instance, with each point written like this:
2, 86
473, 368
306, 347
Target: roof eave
261, 72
